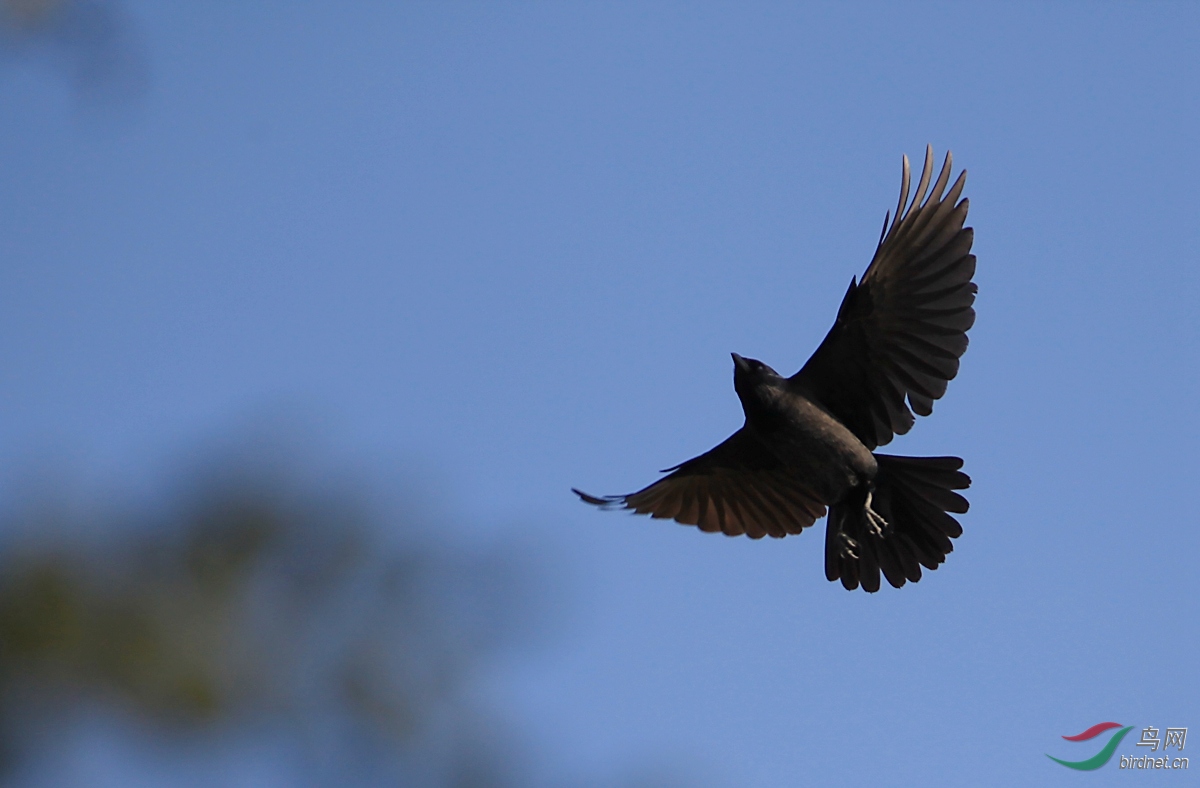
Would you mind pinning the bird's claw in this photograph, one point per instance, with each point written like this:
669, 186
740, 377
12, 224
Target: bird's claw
878, 526
849, 547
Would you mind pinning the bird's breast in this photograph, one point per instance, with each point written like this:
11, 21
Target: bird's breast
806, 437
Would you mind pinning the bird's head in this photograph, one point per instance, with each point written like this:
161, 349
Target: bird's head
750, 376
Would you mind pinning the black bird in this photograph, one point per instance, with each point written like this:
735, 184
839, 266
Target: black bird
808, 440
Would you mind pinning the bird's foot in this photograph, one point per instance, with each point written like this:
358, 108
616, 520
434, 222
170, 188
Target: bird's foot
878, 526
849, 548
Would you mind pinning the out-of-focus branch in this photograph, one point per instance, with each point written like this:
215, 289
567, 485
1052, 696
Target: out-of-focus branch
90, 42
247, 600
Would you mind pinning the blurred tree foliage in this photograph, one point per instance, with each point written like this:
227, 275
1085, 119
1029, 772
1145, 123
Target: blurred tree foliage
253, 601
89, 42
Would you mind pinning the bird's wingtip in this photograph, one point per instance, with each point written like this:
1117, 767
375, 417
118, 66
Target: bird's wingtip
607, 502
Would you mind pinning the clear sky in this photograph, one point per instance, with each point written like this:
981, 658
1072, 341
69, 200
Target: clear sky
506, 249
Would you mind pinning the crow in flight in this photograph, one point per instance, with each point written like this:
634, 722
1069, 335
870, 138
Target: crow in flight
808, 440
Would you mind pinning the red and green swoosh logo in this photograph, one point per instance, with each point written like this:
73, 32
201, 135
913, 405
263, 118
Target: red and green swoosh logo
1100, 758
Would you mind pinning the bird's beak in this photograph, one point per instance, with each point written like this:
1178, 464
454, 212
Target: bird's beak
740, 362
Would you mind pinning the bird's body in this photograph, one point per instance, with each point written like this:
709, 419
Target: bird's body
802, 435
807, 445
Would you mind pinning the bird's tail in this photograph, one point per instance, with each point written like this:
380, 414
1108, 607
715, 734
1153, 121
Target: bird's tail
899, 526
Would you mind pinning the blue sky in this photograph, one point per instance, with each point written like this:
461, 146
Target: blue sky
500, 250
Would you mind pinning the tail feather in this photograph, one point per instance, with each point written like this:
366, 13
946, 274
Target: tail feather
914, 495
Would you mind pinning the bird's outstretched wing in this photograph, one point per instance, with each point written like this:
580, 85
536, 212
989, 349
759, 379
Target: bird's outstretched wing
901, 330
737, 488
